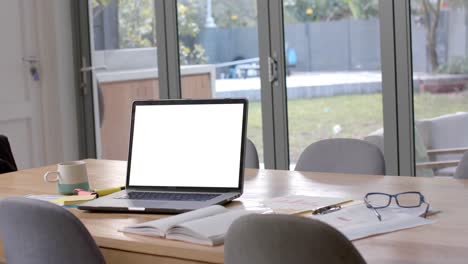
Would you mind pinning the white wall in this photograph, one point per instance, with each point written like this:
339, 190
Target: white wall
58, 86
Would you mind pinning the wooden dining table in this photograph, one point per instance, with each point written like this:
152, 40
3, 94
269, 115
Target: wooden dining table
445, 241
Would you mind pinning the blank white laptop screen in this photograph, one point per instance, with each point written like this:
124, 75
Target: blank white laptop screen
186, 145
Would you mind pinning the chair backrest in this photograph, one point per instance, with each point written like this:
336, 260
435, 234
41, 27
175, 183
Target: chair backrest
40, 232
342, 155
251, 155
376, 138
275, 239
448, 131
7, 161
462, 169
420, 139
5, 167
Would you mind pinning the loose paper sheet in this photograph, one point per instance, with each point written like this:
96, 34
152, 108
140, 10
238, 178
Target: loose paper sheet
295, 204
44, 197
358, 221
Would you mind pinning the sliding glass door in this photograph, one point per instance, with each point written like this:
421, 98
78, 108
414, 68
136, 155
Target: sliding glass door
124, 68
219, 55
333, 72
440, 78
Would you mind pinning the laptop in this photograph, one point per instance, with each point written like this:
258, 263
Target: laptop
183, 155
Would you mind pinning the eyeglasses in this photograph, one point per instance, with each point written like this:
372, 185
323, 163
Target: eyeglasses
376, 200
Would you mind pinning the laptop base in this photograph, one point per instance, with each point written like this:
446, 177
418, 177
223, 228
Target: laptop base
114, 203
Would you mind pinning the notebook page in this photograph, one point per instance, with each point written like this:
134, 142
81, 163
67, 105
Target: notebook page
159, 227
206, 231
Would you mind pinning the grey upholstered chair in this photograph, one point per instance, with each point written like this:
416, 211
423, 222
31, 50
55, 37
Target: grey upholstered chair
7, 161
342, 155
445, 132
278, 239
462, 170
40, 232
251, 155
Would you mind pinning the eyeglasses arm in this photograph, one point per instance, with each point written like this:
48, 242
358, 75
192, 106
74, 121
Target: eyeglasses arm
427, 209
373, 209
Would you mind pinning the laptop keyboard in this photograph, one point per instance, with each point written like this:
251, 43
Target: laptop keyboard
198, 197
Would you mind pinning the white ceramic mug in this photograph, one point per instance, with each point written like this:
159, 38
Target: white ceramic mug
69, 176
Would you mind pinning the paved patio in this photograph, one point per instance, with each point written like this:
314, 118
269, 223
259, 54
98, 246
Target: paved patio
306, 85
320, 84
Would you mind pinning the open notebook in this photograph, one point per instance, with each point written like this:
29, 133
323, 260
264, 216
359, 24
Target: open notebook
206, 226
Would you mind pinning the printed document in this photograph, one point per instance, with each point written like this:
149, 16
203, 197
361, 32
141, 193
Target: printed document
358, 221
295, 204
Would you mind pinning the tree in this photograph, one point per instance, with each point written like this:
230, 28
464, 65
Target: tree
189, 21
430, 16
99, 6
137, 24
329, 10
297, 11
363, 9
431, 20
240, 13
430, 11
226, 13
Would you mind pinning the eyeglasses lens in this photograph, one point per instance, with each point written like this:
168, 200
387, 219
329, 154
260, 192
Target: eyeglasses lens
409, 199
378, 200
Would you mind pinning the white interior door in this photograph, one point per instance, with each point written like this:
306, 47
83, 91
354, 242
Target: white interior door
20, 109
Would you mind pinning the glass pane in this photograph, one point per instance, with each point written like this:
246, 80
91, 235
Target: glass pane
218, 44
334, 80
440, 75
125, 57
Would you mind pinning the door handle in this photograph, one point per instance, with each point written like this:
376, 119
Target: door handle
84, 74
93, 68
33, 62
272, 70
30, 59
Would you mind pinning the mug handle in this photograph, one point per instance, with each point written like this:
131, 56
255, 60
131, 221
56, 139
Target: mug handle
46, 176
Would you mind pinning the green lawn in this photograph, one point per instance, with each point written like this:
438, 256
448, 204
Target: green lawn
354, 116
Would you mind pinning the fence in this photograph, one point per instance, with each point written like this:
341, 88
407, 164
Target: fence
345, 45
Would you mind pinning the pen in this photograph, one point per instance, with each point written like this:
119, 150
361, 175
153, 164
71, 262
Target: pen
312, 211
326, 209
107, 191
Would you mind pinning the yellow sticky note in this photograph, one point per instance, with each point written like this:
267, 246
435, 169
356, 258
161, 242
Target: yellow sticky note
74, 199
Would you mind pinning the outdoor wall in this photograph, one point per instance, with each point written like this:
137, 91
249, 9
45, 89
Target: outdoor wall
350, 45
224, 45
335, 46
